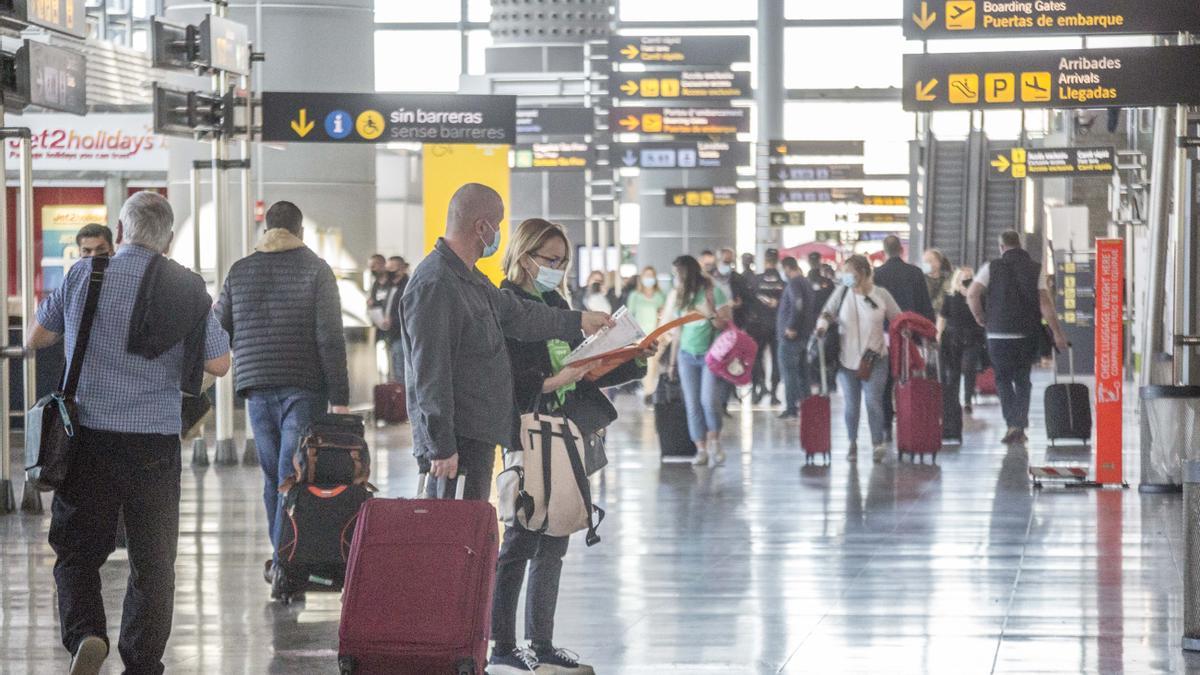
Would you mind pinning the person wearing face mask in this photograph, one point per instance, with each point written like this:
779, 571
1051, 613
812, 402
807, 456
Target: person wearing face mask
535, 265
454, 322
397, 269
962, 343
937, 271
906, 284
597, 296
646, 305
860, 308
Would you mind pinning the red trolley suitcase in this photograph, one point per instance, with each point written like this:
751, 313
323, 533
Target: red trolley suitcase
815, 432
390, 405
418, 590
918, 411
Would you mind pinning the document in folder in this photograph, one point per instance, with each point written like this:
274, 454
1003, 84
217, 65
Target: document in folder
620, 344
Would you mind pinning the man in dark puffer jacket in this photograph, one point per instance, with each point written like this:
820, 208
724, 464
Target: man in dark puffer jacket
283, 313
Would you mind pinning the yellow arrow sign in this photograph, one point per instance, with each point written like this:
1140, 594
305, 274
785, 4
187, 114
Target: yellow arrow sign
630, 123
1001, 163
629, 87
925, 90
303, 125
926, 19
781, 149
630, 52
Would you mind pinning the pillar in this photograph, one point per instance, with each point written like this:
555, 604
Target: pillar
769, 99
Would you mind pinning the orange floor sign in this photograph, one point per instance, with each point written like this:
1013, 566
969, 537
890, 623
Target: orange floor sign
1110, 282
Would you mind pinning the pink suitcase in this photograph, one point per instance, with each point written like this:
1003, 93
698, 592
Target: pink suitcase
815, 423
918, 406
418, 593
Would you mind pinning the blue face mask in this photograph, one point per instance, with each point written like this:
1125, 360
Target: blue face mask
490, 249
547, 278
847, 279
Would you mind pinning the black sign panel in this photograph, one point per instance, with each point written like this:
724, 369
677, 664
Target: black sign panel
388, 118
714, 196
1019, 163
680, 121
680, 155
817, 172
224, 45
688, 84
816, 148
1091, 78
680, 50
556, 121
568, 155
926, 19
783, 218
63, 16
52, 77
780, 195
881, 218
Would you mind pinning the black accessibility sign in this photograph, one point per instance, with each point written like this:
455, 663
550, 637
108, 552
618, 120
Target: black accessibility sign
680, 121
786, 172
1091, 78
388, 118
1018, 163
686, 85
679, 154
680, 50
816, 148
927, 19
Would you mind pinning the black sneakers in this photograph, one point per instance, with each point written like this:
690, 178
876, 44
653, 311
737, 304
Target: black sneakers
519, 661
561, 662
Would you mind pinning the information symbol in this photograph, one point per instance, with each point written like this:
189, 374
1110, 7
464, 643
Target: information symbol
337, 124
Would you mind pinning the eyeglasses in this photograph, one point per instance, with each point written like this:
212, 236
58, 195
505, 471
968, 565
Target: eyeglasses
554, 263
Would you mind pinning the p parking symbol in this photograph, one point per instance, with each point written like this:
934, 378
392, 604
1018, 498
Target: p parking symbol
999, 87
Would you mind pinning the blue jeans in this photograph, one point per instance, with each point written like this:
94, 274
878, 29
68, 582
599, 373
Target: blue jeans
794, 372
396, 352
279, 416
1013, 360
703, 394
852, 392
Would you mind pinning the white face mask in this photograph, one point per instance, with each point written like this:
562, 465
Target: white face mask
724, 269
847, 279
649, 281
548, 278
926, 267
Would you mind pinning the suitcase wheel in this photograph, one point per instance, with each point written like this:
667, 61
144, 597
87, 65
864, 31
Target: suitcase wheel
465, 667
345, 665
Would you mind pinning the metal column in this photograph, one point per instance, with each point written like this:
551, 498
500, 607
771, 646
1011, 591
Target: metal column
225, 452
7, 497
199, 444
1159, 221
769, 100
250, 450
1191, 551
31, 499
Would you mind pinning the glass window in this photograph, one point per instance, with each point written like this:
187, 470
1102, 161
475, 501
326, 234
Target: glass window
141, 40
858, 9
884, 127
436, 52
479, 10
477, 43
692, 10
842, 57
413, 10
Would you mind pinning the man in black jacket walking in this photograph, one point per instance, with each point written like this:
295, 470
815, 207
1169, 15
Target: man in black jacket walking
906, 283
283, 312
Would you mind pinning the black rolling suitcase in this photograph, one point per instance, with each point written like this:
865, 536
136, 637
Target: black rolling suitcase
670, 421
1068, 407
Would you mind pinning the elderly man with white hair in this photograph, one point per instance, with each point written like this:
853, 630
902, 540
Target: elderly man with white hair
152, 334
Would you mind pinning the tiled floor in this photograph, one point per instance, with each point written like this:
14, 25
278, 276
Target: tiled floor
759, 566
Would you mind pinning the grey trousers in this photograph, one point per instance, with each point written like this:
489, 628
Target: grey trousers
544, 555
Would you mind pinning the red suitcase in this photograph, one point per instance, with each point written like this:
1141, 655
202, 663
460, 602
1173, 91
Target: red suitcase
815, 433
985, 382
918, 406
390, 406
418, 592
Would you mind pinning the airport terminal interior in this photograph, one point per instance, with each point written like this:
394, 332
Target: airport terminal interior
1032, 167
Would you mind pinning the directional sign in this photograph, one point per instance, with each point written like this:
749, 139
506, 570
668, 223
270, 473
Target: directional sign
696, 85
816, 148
63, 16
780, 195
680, 155
680, 50
52, 77
1092, 78
388, 118
556, 121
224, 45
784, 218
882, 218
884, 200
714, 196
927, 19
553, 156
1019, 163
680, 121
817, 172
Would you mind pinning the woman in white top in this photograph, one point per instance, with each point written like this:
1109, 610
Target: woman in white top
860, 309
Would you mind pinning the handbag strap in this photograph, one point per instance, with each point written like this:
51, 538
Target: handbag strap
83, 336
547, 452
595, 513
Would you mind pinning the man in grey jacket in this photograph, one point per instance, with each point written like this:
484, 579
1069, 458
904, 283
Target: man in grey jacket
457, 374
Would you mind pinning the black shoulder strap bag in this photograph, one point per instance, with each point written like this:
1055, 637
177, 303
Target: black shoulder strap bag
52, 425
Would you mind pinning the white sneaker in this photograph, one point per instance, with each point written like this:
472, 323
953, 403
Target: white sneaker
880, 452
718, 453
701, 458
89, 656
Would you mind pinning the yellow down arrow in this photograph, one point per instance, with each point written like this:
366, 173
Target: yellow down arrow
926, 19
1001, 163
629, 52
629, 87
630, 123
303, 125
925, 90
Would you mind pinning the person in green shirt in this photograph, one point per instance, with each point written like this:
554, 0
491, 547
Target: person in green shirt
704, 393
645, 305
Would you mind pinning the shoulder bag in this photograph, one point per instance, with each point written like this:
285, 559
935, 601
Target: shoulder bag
52, 424
831, 342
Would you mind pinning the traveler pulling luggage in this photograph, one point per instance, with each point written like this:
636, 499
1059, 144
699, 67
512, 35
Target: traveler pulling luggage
1068, 406
918, 401
418, 594
815, 432
390, 405
321, 502
670, 416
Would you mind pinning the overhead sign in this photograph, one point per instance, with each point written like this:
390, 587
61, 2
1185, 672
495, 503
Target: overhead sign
680, 121
556, 121
927, 19
714, 196
817, 172
680, 154
388, 118
696, 85
63, 16
785, 218
680, 50
882, 218
1089, 78
884, 200
780, 195
816, 148
52, 77
1019, 163
101, 142
1109, 354
224, 45
569, 155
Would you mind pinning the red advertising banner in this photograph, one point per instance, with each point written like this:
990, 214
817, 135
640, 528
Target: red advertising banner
1110, 379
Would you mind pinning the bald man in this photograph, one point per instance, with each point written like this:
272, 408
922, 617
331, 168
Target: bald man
454, 322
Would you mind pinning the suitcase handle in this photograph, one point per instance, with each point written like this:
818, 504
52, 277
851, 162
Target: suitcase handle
1070, 362
460, 486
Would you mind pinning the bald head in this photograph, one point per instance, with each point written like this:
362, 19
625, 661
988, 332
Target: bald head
471, 204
